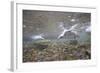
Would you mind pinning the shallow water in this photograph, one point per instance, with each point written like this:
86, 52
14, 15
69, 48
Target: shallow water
56, 50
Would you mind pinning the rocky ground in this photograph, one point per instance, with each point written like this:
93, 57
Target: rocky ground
41, 51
